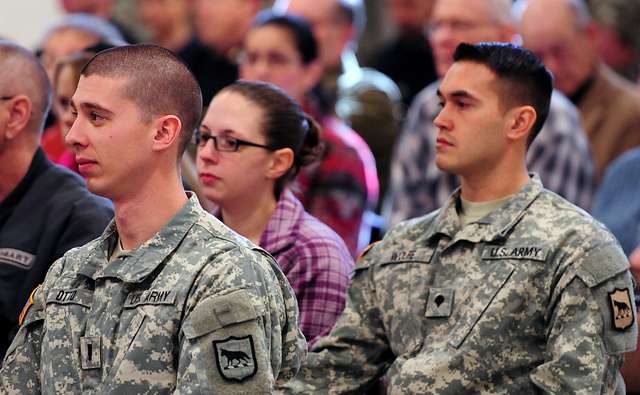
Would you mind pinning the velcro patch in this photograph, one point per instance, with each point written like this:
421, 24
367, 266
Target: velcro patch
508, 252
236, 358
150, 296
621, 309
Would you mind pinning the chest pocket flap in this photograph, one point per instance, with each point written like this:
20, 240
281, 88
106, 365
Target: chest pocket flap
219, 311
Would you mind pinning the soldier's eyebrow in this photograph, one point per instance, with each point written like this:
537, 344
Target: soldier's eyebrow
458, 94
88, 106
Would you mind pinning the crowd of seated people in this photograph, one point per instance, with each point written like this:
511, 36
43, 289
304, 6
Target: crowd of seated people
311, 156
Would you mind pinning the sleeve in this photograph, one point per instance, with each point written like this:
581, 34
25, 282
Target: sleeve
592, 323
354, 354
234, 337
561, 154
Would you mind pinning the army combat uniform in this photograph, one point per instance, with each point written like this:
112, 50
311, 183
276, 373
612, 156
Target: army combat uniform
193, 310
534, 297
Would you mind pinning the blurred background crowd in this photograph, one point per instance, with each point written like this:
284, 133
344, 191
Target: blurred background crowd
367, 72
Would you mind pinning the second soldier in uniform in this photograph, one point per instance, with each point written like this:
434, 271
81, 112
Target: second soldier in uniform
506, 289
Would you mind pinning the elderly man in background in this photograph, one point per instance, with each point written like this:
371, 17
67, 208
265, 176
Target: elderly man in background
562, 33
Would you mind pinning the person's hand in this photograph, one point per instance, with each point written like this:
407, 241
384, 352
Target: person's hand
634, 260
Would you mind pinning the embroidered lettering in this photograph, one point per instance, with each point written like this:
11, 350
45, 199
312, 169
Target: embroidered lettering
531, 252
151, 296
20, 259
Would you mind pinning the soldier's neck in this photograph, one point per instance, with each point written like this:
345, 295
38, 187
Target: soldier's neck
140, 217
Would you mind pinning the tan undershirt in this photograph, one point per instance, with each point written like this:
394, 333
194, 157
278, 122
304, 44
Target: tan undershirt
117, 251
473, 211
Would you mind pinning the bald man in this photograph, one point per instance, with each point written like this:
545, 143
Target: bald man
563, 34
560, 155
45, 209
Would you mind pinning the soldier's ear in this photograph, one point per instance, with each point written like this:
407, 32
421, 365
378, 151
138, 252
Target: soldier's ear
520, 121
166, 132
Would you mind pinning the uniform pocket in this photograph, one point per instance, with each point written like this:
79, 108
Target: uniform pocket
480, 299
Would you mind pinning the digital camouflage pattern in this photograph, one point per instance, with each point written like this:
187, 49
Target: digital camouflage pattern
515, 303
148, 322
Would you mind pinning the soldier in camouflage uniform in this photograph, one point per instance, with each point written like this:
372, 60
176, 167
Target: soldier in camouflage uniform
535, 296
167, 299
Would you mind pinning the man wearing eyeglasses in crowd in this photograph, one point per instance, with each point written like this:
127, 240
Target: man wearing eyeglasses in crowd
168, 298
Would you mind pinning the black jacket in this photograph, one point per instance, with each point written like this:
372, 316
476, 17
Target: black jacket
48, 213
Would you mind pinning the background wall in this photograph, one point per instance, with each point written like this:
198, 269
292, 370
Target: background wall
25, 21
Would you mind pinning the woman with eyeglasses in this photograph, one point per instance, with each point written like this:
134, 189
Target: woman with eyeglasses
252, 142
281, 49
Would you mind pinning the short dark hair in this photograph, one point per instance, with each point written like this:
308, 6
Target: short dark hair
523, 78
157, 81
285, 125
298, 28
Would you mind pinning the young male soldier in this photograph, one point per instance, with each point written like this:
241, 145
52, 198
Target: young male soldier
167, 299
508, 288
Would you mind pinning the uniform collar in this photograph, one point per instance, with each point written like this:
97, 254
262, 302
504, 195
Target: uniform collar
494, 226
135, 265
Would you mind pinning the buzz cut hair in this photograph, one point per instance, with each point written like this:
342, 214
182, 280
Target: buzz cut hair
523, 80
22, 73
157, 81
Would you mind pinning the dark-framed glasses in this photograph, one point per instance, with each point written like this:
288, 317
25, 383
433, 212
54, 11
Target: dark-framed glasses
224, 143
3, 98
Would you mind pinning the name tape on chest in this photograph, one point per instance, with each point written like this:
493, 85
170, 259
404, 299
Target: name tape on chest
17, 258
79, 296
150, 296
518, 252
418, 255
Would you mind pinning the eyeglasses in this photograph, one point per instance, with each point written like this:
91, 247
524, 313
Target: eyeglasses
7, 97
224, 144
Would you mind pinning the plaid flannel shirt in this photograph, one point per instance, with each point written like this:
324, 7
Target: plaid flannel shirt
314, 259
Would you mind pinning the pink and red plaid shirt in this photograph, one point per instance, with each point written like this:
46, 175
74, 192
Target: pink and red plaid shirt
315, 260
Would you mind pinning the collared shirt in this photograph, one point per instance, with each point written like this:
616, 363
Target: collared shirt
340, 188
536, 297
560, 154
314, 259
195, 309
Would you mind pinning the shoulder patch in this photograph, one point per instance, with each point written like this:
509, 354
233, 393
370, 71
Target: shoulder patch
366, 250
621, 307
236, 358
27, 306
